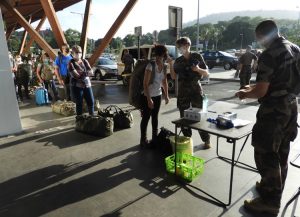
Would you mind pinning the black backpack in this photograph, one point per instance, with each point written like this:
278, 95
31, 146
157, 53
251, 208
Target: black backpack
164, 142
24, 72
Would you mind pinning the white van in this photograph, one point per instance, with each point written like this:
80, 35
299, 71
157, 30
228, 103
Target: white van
146, 52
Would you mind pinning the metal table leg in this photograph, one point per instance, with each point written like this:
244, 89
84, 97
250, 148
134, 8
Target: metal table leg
231, 173
175, 150
297, 194
217, 201
237, 160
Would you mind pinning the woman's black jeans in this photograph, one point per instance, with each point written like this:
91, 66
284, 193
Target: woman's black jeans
147, 113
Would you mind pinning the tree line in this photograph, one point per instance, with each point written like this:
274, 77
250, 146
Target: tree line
236, 33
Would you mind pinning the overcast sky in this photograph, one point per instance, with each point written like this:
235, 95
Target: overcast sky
153, 14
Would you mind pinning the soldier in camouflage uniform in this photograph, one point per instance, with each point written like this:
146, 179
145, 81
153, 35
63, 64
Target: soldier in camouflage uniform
190, 67
276, 123
23, 76
246, 67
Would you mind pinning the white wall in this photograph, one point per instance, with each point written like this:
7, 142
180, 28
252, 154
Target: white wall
9, 110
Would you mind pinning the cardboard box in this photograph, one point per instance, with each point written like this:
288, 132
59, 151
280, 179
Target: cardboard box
193, 114
230, 115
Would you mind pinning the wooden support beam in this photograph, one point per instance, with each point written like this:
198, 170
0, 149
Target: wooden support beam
22, 21
112, 31
85, 27
54, 23
24, 37
31, 40
9, 32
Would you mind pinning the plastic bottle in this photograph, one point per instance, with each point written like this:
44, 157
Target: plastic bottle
204, 103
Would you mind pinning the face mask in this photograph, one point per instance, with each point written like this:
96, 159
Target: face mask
263, 40
46, 61
77, 56
182, 50
165, 58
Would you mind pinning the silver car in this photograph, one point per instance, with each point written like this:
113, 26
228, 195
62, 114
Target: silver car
106, 69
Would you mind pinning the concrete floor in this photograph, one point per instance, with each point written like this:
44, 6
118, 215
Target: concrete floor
51, 170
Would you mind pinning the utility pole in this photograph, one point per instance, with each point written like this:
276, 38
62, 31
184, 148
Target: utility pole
81, 14
197, 39
298, 25
85, 23
242, 36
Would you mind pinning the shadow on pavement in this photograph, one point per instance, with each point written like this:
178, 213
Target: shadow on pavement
45, 116
59, 139
28, 195
29, 138
27, 104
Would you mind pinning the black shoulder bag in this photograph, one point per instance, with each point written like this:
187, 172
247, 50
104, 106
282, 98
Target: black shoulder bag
122, 118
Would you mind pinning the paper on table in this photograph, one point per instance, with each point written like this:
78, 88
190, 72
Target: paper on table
240, 123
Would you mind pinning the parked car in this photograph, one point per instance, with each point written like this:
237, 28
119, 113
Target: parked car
231, 51
106, 69
220, 58
109, 56
146, 52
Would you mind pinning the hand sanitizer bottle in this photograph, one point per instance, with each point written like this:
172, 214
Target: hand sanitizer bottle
204, 103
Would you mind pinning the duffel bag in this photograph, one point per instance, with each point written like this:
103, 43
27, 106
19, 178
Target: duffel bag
122, 118
66, 108
94, 125
163, 141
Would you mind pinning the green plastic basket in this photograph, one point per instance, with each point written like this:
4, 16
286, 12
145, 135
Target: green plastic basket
188, 167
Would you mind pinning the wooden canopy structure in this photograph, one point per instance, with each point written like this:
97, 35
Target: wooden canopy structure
31, 8
21, 13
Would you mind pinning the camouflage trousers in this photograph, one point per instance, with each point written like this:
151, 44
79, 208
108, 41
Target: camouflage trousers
245, 76
190, 95
275, 127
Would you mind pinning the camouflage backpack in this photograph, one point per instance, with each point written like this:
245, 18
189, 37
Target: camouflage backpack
136, 82
137, 79
47, 72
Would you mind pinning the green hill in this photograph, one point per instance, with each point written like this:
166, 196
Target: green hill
276, 14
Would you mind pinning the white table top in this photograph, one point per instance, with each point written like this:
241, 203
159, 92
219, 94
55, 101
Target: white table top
244, 112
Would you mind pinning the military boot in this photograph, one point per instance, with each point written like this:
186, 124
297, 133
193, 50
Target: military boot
257, 205
207, 145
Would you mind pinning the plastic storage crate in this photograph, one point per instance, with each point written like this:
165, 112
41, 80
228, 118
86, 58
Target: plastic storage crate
188, 167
